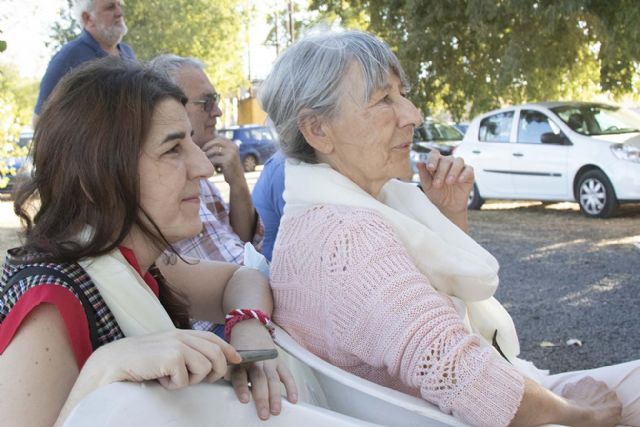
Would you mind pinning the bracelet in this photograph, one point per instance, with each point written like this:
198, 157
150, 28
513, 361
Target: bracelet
238, 315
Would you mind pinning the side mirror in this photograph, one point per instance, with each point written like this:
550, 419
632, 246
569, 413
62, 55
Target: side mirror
553, 138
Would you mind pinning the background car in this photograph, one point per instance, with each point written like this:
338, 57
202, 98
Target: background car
15, 164
556, 151
256, 143
462, 127
433, 134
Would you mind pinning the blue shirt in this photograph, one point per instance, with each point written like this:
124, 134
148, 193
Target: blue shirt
81, 49
267, 198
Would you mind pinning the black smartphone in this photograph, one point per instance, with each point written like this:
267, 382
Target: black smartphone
250, 356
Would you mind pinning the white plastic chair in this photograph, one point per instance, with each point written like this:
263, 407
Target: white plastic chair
323, 384
202, 405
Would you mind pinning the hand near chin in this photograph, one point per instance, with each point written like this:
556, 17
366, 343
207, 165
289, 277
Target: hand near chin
224, 155
447, 181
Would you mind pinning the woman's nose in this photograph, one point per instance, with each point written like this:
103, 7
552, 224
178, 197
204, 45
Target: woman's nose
408, 114
198, 165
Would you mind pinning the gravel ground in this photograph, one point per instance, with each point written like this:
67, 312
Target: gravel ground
565, 276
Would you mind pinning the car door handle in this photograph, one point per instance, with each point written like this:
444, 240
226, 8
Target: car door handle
476, 151
517, 155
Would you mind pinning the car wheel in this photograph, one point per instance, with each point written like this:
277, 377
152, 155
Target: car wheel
596, 196
249, 163
475, 201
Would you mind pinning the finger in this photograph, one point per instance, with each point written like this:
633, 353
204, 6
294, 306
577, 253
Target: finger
240, 383
432, 160
289, 383
425, 176
273, 384
227, 349
259, 389
441, 172
467, 175
457, 166
198, 365
175, 376
212, 348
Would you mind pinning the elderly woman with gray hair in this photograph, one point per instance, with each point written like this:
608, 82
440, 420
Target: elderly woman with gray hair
379, 278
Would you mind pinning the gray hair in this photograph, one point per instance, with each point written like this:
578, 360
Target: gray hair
81, 6
169, 65
309, 75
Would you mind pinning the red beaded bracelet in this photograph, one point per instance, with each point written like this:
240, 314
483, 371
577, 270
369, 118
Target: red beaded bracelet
238, 315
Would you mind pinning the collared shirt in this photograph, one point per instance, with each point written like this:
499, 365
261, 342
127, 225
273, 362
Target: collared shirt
217, 241
79, 50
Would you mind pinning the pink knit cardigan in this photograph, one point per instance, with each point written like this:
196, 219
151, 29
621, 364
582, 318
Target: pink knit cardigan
345, 288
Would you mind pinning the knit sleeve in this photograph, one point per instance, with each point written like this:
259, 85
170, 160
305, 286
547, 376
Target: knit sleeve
386, 314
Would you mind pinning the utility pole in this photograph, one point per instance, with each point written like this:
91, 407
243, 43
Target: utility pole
291, 29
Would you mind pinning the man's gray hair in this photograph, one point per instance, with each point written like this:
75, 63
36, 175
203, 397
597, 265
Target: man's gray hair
309, 75
169, 65
81, 6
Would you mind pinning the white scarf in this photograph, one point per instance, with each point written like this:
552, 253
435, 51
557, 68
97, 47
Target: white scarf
134, 305
452, 261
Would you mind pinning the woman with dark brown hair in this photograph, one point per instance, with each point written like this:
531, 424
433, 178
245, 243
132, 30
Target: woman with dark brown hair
82, 305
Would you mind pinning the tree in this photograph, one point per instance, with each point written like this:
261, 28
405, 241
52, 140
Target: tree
17, 97
205, 29
471, 55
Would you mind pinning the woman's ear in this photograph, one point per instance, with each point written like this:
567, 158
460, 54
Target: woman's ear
314, 129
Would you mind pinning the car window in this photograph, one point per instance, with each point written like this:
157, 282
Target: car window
496, 128
532, 125
436, 131
226, 133
598, 119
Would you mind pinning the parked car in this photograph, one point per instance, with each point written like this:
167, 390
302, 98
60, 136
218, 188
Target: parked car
15, 166
256, 143
556, 151
462, 127
432, 134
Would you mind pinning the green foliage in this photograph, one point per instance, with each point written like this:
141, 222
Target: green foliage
209, 30
17, 97
467, 56
64, 29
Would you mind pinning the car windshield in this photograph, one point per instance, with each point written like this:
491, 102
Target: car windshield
436, 131
598, 119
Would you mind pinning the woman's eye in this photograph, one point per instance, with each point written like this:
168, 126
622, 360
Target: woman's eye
173, 149
387, 99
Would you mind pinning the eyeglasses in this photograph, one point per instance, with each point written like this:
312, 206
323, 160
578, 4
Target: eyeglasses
208, 103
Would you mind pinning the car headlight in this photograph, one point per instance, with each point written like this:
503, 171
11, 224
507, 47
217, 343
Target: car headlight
626, 152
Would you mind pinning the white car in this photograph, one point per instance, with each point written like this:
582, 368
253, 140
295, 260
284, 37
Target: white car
556, 151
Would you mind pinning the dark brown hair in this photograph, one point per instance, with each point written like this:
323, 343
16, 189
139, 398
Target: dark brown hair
86, 151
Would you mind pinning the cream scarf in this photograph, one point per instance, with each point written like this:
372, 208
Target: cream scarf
452, 261
134, 305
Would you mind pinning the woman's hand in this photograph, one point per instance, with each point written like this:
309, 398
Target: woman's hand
600, 402
265, 377
447, 182
176, 359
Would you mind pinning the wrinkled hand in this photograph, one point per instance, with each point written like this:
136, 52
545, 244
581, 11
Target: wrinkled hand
224, 155
176, 359
447, 181
265, 377
600, 401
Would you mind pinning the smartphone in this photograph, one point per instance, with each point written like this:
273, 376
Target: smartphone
250, 356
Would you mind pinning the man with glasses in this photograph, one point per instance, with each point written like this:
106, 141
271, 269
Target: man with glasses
225, 228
